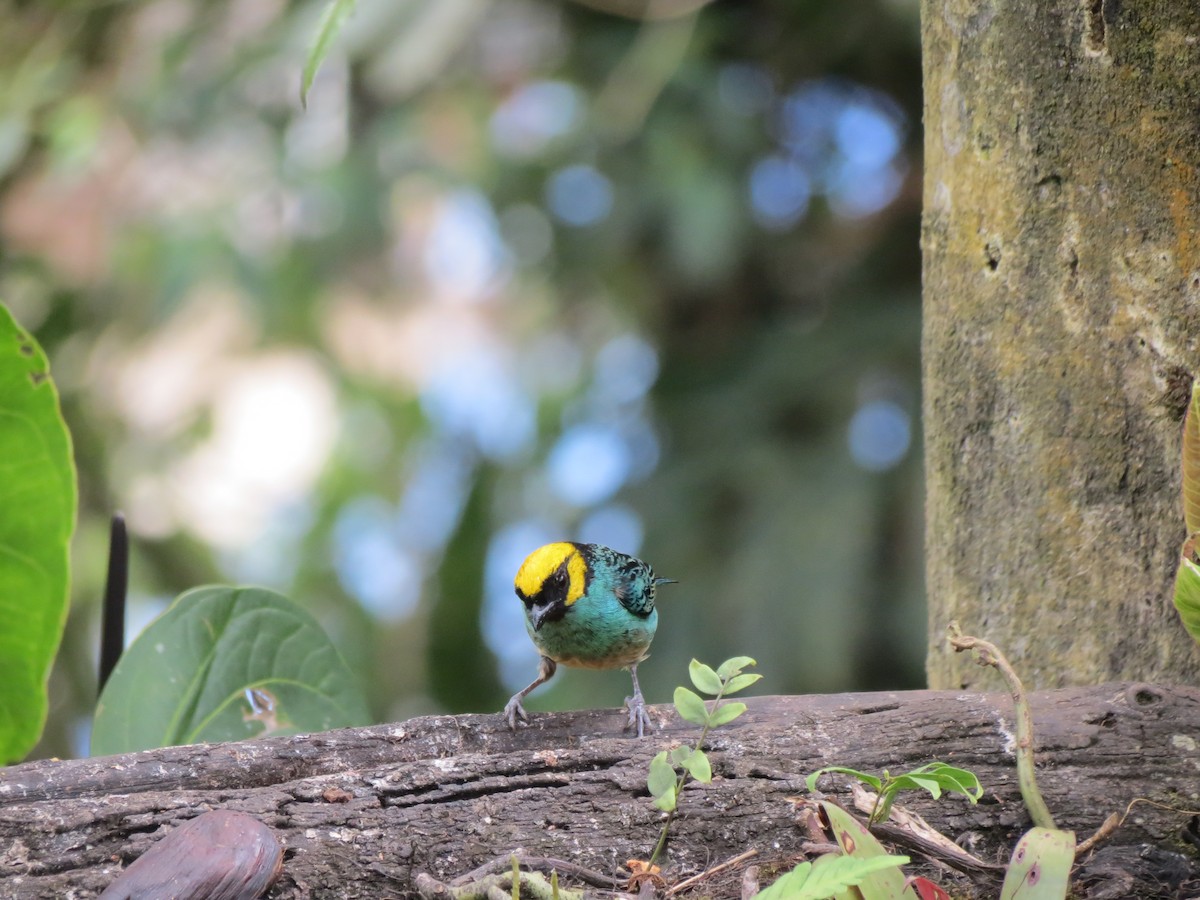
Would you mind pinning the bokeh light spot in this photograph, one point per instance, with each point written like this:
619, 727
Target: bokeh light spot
856, 190
464, 255
589, 464
626, 368
478, 397
866, 135
614, 525
579, 195
371, 565
533, 116
848, 140
880, 435
435, 494
779, 192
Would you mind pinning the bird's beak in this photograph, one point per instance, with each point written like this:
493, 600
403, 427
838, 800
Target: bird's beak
538, 616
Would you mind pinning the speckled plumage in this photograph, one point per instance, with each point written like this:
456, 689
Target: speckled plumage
588, 606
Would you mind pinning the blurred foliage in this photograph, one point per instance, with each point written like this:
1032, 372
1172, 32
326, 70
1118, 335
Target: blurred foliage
365, 353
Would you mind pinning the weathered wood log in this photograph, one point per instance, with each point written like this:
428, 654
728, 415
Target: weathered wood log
361, 812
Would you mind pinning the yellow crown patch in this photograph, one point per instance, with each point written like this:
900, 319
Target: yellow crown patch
544, 562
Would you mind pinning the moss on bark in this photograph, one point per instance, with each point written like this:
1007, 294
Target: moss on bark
1061, 243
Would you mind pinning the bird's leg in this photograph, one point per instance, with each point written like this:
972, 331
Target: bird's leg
513, 707
637, 707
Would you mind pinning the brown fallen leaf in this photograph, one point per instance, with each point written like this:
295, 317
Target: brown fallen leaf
219, 855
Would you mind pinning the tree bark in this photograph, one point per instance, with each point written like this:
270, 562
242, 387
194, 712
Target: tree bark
1061, 242
362, 812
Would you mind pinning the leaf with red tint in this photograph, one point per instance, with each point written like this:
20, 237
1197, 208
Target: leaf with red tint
927, 890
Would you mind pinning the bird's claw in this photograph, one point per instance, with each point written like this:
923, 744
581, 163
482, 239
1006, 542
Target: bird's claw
512, 710
638, 716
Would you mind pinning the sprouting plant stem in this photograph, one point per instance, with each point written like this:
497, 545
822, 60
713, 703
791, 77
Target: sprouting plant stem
987, 654
662, 837
682, 780
872, 818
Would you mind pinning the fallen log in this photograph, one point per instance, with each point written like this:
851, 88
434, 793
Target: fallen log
362, 812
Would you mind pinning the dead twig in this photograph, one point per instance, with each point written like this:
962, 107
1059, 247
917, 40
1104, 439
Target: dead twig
564, 867
708, 873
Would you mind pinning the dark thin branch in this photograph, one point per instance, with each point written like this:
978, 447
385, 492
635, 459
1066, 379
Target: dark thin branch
112, 629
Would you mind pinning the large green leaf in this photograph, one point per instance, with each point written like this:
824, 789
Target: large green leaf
1040, 868
829, 876
223, 664
37, 500
857, 841
1191, 462
1187, 589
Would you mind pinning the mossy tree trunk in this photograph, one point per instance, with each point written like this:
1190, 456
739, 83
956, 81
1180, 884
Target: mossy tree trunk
1061, 246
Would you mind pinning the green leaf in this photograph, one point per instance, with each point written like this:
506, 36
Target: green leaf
690, 706
669, 800
1040, 868
704, 678
697, 765
679, 754
662, 776
951, 778
734, 666
834, 874
726, 712
332, 20
37, 496
738, 682
1191, 462
787, 886
873, 780
933, 778
883, 809
910, 782
857, 841
1187, 590
828, 876
222, 664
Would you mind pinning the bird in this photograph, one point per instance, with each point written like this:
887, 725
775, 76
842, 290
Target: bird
587, 606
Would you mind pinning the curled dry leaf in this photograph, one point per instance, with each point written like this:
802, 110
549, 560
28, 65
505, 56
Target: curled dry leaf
219, 855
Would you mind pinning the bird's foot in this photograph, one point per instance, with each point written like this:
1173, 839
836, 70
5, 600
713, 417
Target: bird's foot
512, 710
638, 716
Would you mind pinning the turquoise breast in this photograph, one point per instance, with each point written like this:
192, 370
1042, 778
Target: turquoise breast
596, 633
